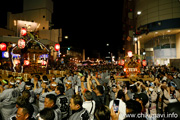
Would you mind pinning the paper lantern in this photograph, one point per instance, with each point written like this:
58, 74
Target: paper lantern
138, 61
26, 62
16, 62
144, 63
122, 62
21, 43
57, 47
23, 32
3, 47
129, 53
43, 62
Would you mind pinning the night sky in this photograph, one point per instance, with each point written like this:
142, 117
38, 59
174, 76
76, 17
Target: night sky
89, 24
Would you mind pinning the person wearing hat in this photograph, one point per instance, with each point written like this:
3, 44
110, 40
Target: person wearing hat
89, 104
43, 92
142, 98
152, 95
8, 99
20, 83
52, 86
29, 86
4, 84
69, 91
171, 95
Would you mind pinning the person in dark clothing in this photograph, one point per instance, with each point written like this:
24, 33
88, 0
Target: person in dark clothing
62, 101
78, 112
50, 102
25, 112
97, 93
46, 114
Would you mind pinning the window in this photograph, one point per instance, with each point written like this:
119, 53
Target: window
173, 45
165, 46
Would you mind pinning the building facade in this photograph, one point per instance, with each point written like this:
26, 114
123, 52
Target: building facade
158, 26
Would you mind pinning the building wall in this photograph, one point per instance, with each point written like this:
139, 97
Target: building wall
156, 10
49, 34
39, 11
38, 4
178, 45
5, 32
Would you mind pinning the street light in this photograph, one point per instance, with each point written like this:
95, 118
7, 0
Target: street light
135, 38
107, 44
138, 12
66, 37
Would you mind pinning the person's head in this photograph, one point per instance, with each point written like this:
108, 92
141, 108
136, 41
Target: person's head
102, 113
173, 86
99, 90
4, 82
76, 102
121, 95
87, 96
133, 88
68, 84
142, 98
44, 84
50, 101
36, 77
164, 83
28, 86
44, 77
53, 77
11, 83
53, 85
26, 95
114, 88
46, 114
59, 89
20, 102
19, 79
25, 112
133, 107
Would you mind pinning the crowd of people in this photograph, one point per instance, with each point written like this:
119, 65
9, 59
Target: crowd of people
91, 93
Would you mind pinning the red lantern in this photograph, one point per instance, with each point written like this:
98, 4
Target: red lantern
23, 32
129, 53
144, 63
21, 43
3, 47
57, 47
138, 61
43, 62
26, 62
122, 62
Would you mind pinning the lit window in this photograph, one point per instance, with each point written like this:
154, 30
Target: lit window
15, 23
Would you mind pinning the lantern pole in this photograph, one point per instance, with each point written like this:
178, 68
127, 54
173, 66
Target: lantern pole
10, 57
48, 62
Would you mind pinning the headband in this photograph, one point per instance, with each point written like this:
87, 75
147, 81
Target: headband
4, 81
11, 83
19, 78
54, 85
68, 83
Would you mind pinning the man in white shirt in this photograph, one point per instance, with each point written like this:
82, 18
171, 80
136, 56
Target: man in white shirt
89, 104
122, 105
